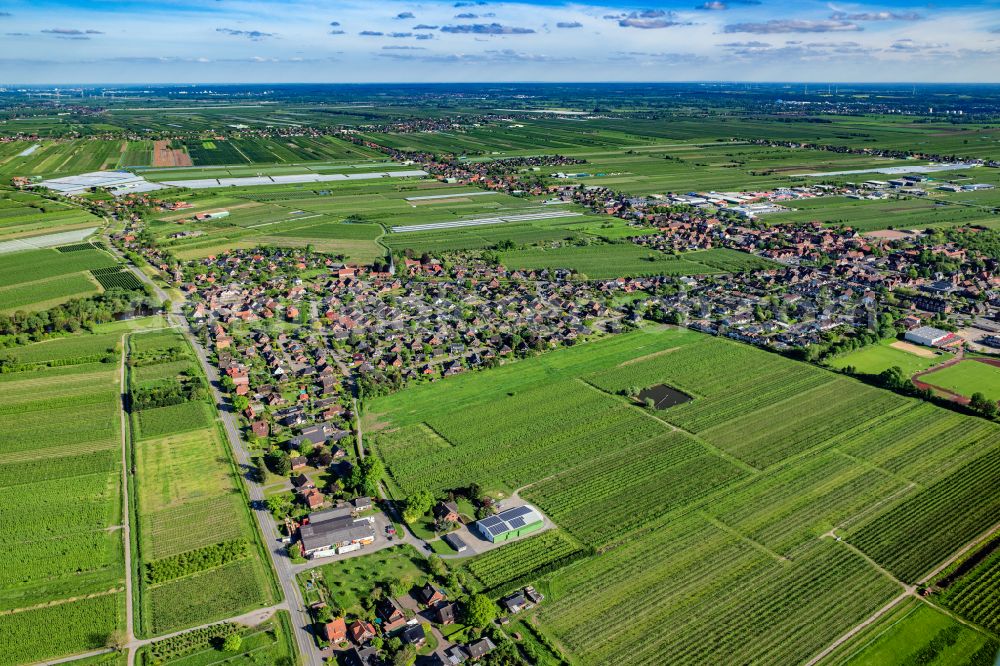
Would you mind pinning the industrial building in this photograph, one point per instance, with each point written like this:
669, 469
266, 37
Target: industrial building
510, 524
116, 182
335, 531
932, 337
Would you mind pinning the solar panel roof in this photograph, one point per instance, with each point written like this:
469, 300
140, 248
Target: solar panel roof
490, 521
515, 512
516, 522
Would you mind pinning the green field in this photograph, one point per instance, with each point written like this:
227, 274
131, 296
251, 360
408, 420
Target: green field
905, 213
970, 586
39, 279
604, 261
968, 377
187, 500
347, 582
874, 359
916, 633
60, 473
710, 518
270, 642
23, 214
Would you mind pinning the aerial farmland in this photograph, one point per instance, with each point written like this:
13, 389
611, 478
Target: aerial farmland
545, 375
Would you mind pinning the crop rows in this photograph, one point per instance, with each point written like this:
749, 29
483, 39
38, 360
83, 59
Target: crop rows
922, 443
545, 430
183, 417
68, 628
61, 349
774, 433
117, 278
68, 555
523, 559
42, 264
222, 592
45, 293
917, 533
59, 506
749, 392
693, 594
193, 561
607, 602
189, 525
603, 498
35, 471
976, 595
791, 505
50, 427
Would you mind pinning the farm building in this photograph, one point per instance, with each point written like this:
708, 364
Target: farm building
335, 531
455, 542
932, 337
510, 524
218, 215
116, 182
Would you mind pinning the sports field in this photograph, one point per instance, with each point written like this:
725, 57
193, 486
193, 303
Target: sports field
710, 518
874, 359
967, 377
60, 477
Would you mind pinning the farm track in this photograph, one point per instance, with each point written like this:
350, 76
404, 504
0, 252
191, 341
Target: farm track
910, 591
60, 602
126, 505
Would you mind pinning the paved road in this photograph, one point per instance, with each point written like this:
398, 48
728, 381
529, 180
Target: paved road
268, 528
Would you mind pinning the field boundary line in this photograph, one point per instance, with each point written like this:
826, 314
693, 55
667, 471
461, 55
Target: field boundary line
60, 602
728, 457
877, 505
955, 616
874, 638
875, 468
126, 454
882, 570
74, 657
983, 536
871, 619
742, 537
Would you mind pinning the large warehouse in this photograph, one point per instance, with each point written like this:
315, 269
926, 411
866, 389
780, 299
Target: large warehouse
932, 337
116, 182
510, 524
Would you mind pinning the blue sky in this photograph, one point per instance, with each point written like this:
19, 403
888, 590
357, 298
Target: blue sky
137, 41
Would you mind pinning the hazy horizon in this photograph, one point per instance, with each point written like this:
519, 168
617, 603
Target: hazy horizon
51, 42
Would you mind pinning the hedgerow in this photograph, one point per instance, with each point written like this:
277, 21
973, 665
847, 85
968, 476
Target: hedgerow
193, 561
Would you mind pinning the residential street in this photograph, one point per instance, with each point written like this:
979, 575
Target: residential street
269, 530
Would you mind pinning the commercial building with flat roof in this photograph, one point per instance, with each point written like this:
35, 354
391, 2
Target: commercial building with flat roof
328, 532
510, 524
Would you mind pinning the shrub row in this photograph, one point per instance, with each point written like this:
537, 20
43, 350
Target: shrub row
193, 561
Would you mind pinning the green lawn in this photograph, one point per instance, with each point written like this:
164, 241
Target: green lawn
874, 359
967, 378
348, 581
604, 261
914, 633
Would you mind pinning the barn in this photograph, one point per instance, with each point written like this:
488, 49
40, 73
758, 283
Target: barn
510, 524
